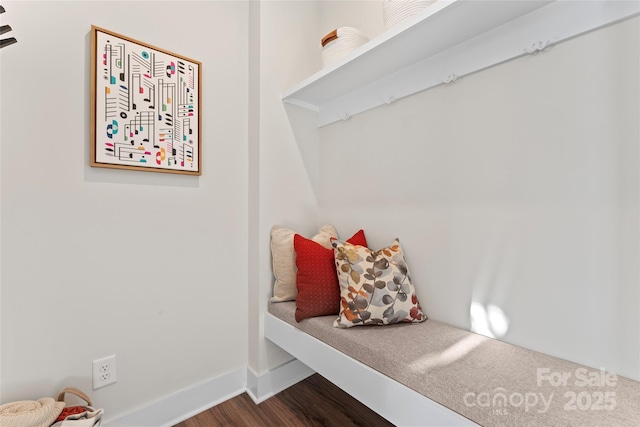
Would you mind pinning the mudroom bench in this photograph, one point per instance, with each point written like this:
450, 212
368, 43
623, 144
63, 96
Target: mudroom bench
432, 374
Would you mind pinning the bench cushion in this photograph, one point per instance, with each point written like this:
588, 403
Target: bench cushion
488, 381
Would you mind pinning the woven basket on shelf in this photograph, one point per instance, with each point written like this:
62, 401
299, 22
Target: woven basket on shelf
395, 11
341, 42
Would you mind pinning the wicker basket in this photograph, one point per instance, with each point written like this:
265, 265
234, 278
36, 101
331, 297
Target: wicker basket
395, 11
341, 42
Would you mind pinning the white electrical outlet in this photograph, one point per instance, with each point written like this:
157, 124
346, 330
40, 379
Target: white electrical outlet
104, 371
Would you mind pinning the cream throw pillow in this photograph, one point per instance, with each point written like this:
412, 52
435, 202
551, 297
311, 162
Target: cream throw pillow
284, 259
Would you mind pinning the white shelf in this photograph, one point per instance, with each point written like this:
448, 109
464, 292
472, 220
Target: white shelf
446, 41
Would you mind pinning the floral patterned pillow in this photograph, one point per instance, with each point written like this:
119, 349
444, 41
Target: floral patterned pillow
375, 286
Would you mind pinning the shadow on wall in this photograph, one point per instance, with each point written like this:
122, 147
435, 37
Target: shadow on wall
491, 289
305, 131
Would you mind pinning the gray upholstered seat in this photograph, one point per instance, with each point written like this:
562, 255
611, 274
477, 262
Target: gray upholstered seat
486, 380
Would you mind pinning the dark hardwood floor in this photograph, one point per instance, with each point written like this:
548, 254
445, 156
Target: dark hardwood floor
312, 402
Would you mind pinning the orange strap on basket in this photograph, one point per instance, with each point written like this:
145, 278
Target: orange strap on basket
329, 37
76, 392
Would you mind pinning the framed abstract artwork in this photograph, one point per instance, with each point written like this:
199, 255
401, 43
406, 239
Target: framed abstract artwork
145, 106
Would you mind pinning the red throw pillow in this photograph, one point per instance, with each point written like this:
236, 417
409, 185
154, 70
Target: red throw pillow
317, 279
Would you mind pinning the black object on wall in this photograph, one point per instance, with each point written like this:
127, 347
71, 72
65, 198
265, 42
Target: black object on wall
6, 29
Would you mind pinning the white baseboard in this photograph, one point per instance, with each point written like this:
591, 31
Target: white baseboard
261, 387
183, 404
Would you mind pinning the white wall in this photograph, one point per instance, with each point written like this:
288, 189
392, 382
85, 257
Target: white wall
149, 266
365, 15
287, 180
517, 188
